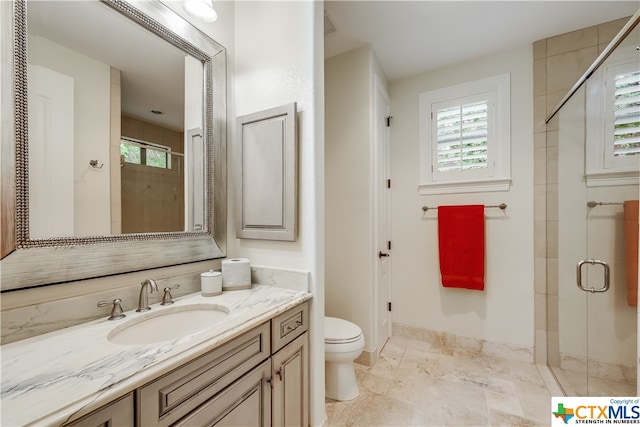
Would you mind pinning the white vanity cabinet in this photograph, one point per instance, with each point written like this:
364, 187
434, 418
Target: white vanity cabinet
260, 378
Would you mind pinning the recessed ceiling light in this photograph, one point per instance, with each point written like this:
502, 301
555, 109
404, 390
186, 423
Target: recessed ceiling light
201, 9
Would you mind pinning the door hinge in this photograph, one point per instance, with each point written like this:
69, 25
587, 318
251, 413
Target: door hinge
388, 306
388, 120
388, 183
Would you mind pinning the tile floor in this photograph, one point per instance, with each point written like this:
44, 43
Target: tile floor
416, 383
580, 384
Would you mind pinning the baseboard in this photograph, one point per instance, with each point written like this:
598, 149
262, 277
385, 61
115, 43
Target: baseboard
368, 358
444, 339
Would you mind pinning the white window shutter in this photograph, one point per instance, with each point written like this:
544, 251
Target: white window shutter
465, 137
626, 114
462, 137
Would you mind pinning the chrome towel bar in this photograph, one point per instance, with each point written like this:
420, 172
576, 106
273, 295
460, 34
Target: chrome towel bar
593, 204
502, 206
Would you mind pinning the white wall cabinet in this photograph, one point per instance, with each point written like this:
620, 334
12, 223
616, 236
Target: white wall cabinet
260, 378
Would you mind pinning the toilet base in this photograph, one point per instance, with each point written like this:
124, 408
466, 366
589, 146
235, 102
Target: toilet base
340, 381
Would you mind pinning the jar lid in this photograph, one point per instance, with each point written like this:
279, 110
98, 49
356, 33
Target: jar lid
211, 273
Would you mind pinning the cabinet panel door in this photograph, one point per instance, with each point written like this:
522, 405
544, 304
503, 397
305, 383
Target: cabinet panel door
173, 396
118, 413
291, 384
246, 403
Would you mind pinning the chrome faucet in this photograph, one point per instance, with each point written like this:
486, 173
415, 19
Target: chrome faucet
143, 301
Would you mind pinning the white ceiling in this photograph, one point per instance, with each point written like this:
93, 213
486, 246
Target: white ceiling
412, 37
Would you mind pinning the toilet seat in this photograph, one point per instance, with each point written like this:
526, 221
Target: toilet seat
340, 331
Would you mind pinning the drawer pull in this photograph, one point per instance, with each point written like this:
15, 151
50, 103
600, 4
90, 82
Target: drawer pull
293, 327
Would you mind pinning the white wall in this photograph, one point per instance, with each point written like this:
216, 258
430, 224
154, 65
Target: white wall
278, 59
503, 313
92, 131
348, 259
275, 53
350, 248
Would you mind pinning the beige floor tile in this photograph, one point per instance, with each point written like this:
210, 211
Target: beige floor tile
497, 418
535, 400
416, 383
376, 410
445, 401
375, 384
504, 402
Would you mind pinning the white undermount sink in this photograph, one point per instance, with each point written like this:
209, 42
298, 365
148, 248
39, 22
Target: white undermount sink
163, 324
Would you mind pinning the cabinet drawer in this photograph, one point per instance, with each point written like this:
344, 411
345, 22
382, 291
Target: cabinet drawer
289, 325
172, 396
118, 413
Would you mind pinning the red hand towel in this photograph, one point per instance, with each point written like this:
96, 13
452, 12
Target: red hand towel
461, 244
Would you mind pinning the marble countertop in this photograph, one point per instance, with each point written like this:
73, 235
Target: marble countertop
50, 378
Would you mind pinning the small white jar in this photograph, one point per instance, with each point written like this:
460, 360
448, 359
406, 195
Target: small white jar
211, 283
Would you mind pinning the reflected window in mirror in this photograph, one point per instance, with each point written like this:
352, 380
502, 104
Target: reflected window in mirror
146, 153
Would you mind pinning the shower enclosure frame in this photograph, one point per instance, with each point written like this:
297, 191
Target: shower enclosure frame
547, 184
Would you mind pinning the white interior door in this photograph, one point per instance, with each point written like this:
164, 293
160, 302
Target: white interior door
51, 148
382, 222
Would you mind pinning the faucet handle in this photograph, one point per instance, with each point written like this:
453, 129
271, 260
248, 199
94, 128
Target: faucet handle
167, 299
116, 311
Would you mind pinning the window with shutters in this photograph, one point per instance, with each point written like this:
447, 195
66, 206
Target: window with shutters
465, 137
145, 153
613, 125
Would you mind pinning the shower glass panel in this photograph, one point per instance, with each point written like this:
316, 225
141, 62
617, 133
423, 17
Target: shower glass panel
597, 157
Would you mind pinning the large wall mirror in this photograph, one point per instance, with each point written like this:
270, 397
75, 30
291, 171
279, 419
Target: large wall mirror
117, 155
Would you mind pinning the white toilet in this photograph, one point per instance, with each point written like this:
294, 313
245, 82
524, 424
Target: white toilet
343, 342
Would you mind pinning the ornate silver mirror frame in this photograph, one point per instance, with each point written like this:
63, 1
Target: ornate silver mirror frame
34, 262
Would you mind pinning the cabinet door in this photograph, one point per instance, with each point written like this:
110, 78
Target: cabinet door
118, 413
291, 384
176, 394
246, 403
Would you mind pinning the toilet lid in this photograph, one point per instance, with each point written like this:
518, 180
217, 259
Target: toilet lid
340, 330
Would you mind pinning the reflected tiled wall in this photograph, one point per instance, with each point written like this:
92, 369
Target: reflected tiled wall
558, 63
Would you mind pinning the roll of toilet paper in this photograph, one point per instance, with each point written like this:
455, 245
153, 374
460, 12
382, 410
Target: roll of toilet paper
211, 283
236, 274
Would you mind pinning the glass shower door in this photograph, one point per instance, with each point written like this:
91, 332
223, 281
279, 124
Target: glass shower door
592, 299
611, 319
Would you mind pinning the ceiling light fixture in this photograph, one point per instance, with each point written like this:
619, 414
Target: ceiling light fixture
201, 9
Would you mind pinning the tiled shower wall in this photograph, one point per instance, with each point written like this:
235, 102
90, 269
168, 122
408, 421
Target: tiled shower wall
558, 64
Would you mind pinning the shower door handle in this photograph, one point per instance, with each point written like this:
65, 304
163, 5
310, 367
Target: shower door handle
605, 266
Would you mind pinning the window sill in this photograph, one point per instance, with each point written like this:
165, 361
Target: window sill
452, 187
612, 179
